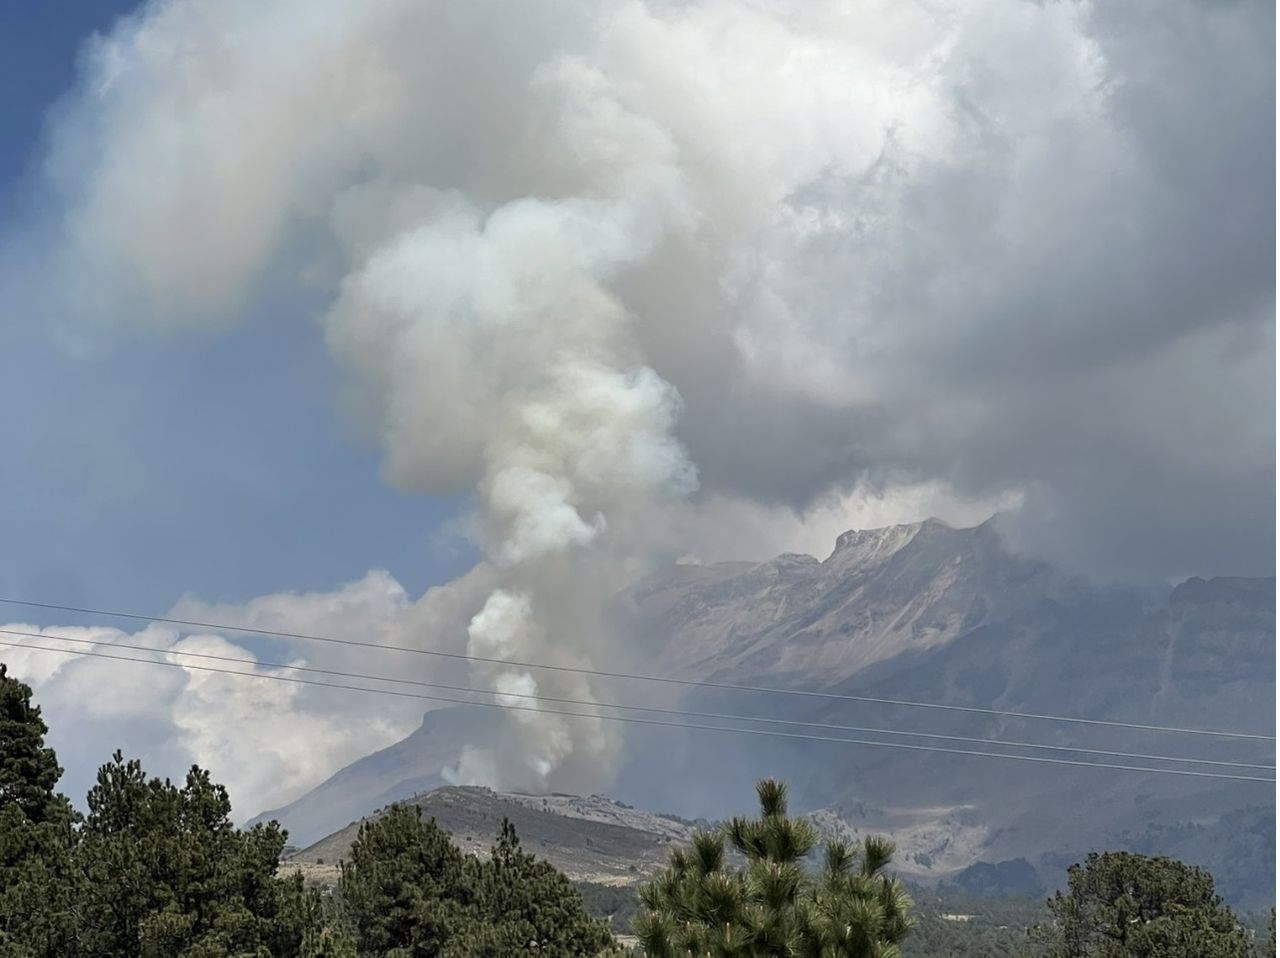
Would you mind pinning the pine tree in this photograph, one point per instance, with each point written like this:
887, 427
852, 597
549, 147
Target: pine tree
772, 907
29, 771
523, 907
404, 886
323, 924
1126, 905
169, 876
38, 886
409, 893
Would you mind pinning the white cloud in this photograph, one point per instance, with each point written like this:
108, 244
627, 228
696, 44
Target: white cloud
726, 528
267, 741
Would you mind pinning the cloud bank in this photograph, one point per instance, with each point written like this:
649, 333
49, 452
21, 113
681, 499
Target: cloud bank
268, 741
1012, 248
664, 278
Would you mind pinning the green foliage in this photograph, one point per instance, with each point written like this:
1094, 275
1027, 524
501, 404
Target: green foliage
948, 924
411, 894
168, 876
1125, 905
38, 886
618, 905
323, 923
29, 771
524, 907
954, 925
404, 886
772, 907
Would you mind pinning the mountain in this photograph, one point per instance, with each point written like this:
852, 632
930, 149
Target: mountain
927, 613
794, 619
409, 767
591, 839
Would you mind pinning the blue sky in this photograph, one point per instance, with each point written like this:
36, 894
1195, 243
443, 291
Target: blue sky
188, 463
38, 46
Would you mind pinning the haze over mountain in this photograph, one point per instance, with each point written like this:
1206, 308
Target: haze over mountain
924, 612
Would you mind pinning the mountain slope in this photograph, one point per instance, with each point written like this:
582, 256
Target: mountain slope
589, 839
409, 767
931, 614
880, 593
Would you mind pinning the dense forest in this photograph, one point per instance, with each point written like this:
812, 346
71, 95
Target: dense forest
155, 869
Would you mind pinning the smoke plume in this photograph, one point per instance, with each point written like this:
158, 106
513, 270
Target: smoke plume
642, 277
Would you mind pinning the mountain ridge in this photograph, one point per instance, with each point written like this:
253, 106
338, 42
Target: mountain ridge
919, 612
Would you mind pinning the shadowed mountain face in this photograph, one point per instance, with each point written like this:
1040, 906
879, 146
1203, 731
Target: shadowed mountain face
928, 613
795, 620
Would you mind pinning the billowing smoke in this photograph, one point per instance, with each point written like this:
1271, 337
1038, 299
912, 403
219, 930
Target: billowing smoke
479, 315
493, 356
627, 272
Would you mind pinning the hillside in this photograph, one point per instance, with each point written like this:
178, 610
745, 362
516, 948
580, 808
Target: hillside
927, 613
589, 839
797, 620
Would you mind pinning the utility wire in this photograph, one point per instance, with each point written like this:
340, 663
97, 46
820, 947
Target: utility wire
653, 722
684, 713
688, 683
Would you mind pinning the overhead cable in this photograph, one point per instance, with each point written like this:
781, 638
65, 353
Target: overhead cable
650, 722
632, 676
684, 713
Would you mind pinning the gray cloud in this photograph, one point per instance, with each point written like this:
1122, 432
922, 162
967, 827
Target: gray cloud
997, 245
632, 271
1074, 298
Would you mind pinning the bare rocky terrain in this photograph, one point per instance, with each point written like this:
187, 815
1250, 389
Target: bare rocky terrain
591, 839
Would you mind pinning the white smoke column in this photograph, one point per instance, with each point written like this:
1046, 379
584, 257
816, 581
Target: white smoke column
504, 363
523, 382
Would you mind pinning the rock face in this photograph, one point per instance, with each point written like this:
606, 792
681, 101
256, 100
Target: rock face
928, 613
880, 593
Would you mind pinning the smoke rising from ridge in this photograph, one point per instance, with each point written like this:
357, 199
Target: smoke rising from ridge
628, 272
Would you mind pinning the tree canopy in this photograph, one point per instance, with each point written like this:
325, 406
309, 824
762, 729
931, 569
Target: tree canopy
167, 873
412, 894
1125, 905
38, 883
771, 906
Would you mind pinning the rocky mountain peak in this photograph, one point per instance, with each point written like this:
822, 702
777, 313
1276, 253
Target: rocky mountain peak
862, 546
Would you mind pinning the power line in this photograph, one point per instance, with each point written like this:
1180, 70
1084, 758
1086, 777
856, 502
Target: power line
600, 673
685, 713
653, 722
